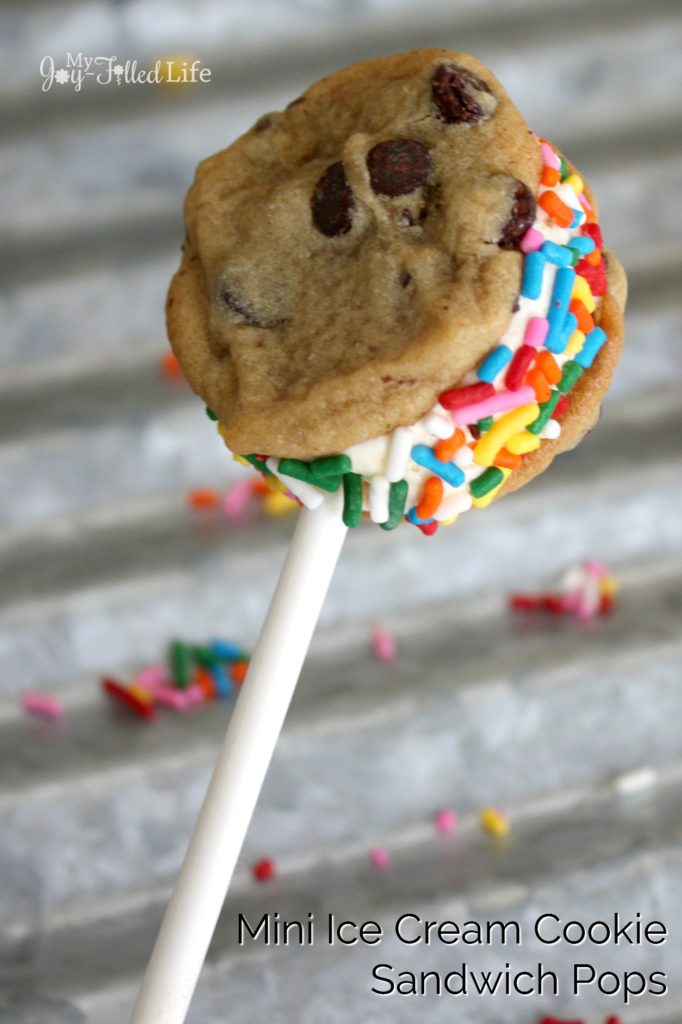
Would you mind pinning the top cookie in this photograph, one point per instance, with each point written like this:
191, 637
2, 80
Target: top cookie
353, 256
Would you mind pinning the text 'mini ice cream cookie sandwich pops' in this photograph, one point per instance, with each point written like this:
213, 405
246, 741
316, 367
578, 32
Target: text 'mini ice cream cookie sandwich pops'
396, 302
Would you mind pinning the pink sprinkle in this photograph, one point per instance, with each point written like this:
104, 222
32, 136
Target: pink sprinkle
536, 332
500, 402
380, 857
549, 157
236, 500
179, 700
446, 821
383, 644
532, 240
595, 569
151, 678
43, 704
584, 202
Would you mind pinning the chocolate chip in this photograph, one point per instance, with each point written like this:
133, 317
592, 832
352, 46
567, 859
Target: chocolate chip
332, 202
451, 87
398, 166
409, 219
521, 217
239, 307
474, 430
405, 278
517, 305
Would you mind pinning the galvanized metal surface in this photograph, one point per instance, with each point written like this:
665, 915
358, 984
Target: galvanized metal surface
101, 562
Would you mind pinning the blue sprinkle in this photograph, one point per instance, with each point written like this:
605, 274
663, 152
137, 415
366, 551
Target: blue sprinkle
223, 683
583, 243
561, 296
570, 325
493, 363
448, 471
414, 518
533, 269
591, 346
577, 218
558, 254
228, 651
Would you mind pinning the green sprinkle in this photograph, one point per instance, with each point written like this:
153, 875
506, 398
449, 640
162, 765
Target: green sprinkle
211, 415
575, 255
485, 424
486, 482
546, 410
572, 373
352, 498
297, 468
203, 657
564, 171
180, 657
257, 464
397, 499
330, 465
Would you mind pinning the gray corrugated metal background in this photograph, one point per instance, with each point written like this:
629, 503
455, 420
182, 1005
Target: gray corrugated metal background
100, 562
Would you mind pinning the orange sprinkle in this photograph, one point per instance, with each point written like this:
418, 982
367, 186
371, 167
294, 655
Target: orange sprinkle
546, 362
550, 176
594, 257
259, 487
238, 670
579, 310
203, 497
446, 449
556, 209
432, 495
204, 679
170, 367
507, 460
539, 384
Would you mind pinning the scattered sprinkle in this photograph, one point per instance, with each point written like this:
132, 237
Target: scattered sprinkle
446, 821
263, 870
44, 705
384, 647
584, 591
380, 857
170, 367
494, 822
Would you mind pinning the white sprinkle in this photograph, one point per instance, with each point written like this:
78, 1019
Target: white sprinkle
635, 781
379, 488
551, 430
438, 423
464, 457
311, 497
453, 504
398, 454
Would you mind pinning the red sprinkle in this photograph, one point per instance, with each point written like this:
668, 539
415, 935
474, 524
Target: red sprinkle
455, 398
122, 694
203, 497
263, 870
552, 604
238, 670
595, 276
428, 529
593, 231
525, 602
561, 408
170, 367
519, 366
606, 604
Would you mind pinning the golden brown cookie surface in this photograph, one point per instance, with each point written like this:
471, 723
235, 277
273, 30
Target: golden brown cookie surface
353, 256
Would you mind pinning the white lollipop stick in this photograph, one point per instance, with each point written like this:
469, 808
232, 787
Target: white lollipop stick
232, 793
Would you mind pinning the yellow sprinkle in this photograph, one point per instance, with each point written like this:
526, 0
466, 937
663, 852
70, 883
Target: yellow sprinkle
608, 586
275, 484
576, 183
487, 498
221, 430
575, 343
511, 423
240, 458
275, 504
494, 822
449, 522
582, 291
523, 443
139, 693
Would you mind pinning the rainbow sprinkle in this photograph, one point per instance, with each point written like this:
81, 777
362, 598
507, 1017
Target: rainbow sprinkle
462, 452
